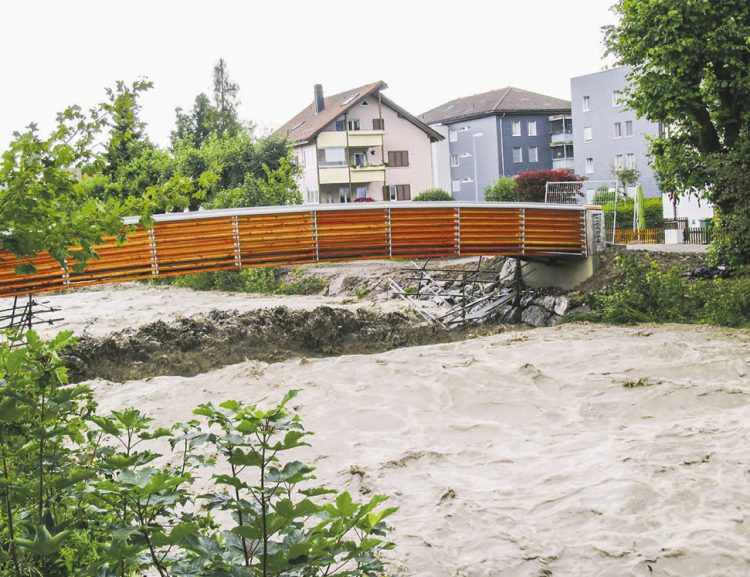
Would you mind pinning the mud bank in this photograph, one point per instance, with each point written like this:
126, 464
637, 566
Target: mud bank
191, 346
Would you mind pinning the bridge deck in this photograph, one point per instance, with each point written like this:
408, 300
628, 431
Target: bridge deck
216, 240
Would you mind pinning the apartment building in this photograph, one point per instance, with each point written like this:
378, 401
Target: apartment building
498, 133
607, 134
359, 145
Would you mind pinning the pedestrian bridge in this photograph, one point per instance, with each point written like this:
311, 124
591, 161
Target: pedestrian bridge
214, 240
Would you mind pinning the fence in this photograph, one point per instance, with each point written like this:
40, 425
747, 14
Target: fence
256, 237
656, 236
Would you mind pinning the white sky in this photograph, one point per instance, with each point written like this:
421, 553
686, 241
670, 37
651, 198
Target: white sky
55, 53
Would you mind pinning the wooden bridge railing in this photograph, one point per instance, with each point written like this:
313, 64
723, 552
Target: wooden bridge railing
231, 239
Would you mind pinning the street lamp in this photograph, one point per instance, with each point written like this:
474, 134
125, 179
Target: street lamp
476, 181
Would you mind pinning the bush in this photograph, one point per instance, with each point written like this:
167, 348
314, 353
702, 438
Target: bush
112, 495
502, 191
433, 194
266, 280
649, 294
530, 185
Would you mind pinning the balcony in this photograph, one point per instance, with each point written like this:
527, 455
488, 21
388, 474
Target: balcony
357, 138
360, 174
557, 138
563, 163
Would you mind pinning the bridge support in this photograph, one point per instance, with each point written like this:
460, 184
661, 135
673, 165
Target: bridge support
564, 274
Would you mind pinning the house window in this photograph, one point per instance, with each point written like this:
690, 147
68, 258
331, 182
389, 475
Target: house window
452, 135
399, 192
332, 157
455, 186
354, 124
345, 195
359, 159
378, 124
589, 165
516, 127
586, 104
398, 158
517, 154
533, 154
300, 159
587, 134
454, 160
531, 127
628, 128
619, 162
361, 192
631, 160
311, 196
618, 130
340, 125
616, 98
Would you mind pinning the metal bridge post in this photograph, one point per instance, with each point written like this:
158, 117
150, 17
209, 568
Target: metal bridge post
236, 239
315, 235
388, 231
152, 250
457, 220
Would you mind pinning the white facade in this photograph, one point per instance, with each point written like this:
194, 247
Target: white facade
689, 207
369, 152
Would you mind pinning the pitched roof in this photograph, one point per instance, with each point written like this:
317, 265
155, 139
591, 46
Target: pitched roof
505, 100
306, 124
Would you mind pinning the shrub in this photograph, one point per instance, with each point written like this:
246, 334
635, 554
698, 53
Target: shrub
267, 280
649, 294
503, 190
530, 185
433, 194
90, 494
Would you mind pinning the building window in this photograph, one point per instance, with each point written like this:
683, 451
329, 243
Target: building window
354, 124
533, 154
616, 98
398, 158
361, 192
454, 160
586, 104
311, 196
628, 128
531, 127
399, 192
516, 127
618, 129
631, 160
340, 125
619, 162
589, 165
452, 135
378, 124
344, 194
587, 134
359, 159
332, 157
455, 186
517, 154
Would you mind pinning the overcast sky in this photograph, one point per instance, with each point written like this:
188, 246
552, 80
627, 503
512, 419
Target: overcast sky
56, 53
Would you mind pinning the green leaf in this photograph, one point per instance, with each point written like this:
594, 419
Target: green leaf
10, 411
44, 544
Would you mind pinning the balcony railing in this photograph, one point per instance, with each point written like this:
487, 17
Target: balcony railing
561, 137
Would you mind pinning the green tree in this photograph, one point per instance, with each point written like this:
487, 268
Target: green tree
226, 100
45, 188
195, 127
433, 194
127, 132
690, 71
503, 190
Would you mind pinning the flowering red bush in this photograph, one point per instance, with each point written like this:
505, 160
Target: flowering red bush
530, 185
364, 199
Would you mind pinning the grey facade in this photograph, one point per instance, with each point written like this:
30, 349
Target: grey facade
607, 134
500, 133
